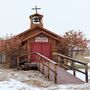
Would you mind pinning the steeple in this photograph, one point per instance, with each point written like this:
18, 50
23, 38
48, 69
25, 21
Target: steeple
36, 19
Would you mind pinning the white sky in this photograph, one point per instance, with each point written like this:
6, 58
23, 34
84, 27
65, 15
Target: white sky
59, 15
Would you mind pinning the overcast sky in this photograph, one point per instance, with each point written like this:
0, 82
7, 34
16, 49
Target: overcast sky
59, 15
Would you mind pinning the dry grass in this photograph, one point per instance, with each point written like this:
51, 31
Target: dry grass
82, 58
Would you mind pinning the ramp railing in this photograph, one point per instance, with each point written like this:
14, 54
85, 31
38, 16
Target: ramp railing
46, 66
71, 63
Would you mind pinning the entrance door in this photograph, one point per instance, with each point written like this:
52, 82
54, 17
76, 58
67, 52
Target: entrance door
43, 48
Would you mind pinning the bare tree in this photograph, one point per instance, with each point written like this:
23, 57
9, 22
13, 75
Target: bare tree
72, 40
12, 47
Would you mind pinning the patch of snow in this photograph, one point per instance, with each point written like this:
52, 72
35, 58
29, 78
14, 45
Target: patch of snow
78, 74
15, 85
88, 64
75, 87
69, 87
87, 57
0, 72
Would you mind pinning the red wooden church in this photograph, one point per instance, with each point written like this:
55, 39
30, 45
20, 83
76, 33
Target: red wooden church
39, 39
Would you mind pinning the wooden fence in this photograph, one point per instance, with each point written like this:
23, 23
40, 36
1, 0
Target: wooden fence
70, 63
40, 59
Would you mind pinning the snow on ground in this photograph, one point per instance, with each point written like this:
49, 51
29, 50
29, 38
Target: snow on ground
22, 80
70, 87
79, 75
34, 80
87, 57
15, 85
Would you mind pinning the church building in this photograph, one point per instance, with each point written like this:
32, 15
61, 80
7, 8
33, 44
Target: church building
39, 39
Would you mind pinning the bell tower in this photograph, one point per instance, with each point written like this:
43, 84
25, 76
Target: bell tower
36, 19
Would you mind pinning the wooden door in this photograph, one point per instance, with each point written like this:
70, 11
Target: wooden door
46, 50
43, 48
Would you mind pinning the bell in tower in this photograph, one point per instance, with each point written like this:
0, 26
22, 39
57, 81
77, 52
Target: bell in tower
36, 19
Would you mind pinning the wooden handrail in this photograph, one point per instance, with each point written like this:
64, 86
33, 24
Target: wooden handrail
72, 59
73, 67
42, 59
46, 58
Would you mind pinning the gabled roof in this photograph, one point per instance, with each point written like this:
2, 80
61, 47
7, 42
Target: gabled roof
40, 33
43, 30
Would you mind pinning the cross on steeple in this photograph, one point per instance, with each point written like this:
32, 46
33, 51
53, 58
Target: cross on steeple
36, 8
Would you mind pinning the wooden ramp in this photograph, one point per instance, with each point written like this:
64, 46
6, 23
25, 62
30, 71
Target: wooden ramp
63, 77
55, 73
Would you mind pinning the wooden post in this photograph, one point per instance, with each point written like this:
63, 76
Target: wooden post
73, 65
42, 66
55, 73
17, 62
39, 62
48, 70
86, 72
29, 54
58, 60
65, 63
